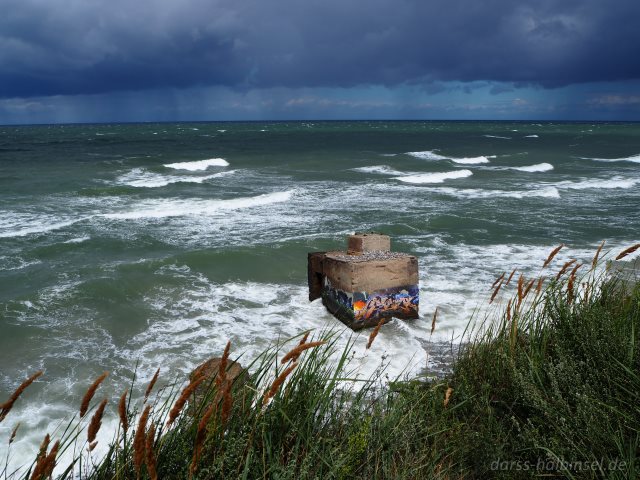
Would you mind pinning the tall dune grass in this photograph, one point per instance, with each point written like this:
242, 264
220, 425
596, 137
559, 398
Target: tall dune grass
547, 386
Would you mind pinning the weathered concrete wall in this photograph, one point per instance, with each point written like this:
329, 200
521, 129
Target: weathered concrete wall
367, 242
363, 288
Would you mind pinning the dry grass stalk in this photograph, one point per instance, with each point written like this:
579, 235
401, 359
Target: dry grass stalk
184, 396
227, 401
509, 311
201, 436
506, 284
45, 462
139, 440
295, 353
41, 459
447, 397
552, 255
495, 292
498, 280
150, 458
151, 384
628, 251
84, 406
520, 285
303, 340
528, 288
587, 291
14, 433
96, 422
277, 383
539, 285
222, 368
564, 268
122, 411
374, 333
572, 278
433, 321
594, 262
6, 407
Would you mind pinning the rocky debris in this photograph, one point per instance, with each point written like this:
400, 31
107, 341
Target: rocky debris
369, 256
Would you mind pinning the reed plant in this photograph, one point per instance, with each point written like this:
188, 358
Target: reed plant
546, 385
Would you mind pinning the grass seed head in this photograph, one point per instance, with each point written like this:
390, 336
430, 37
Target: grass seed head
122, 411
628, 251
295, 353
140, 440
151, 384
277, 383
594, 262
150, 457
186, 393
374, 333
96, 422
433, 320
84, 406
6, 407
552, 255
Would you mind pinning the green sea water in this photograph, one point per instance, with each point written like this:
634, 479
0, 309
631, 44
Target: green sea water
156, 243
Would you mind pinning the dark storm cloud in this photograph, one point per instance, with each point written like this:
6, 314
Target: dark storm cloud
91, 46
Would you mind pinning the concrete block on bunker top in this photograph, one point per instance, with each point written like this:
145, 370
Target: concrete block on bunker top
360, 243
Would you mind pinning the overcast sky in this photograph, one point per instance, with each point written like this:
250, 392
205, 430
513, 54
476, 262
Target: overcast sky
163, 60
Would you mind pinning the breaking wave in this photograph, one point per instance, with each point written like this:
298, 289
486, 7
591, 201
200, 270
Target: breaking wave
379, 169
198, 164
177, 207
632, 158
431, 155
539, 167
143, 179
439, 177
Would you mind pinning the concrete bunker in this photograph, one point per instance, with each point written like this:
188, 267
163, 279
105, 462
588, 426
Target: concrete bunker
366, 283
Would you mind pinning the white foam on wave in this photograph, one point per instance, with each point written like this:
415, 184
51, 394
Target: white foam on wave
470, 161
13, 224
198, 164
467, 193
497, 136
616, 182
438, 177
428, 155
15, 263
141, 178
539, 167
431, 155
531, 136
379, 169
166, 208
78, 239
632, 158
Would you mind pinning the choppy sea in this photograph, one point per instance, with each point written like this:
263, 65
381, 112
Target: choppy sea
156, 243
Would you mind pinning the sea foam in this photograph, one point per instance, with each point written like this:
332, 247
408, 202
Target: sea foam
599, 184
439, 177
497, 136
632, 158
539, 167
379, 169
431, 155
178, 207
198, 164
143, 179
467, 193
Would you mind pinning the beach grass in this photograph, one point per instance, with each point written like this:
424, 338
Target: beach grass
548, 385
